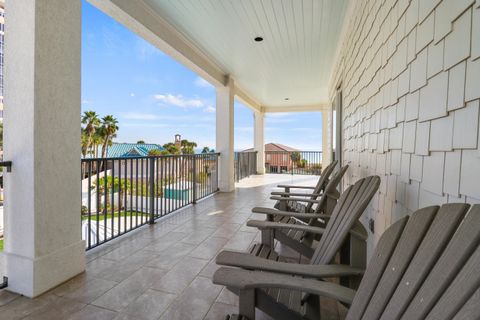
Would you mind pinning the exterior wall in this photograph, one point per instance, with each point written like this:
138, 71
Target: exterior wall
2, 43
410, 77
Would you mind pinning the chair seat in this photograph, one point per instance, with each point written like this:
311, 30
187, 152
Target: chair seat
293, 206
294, 234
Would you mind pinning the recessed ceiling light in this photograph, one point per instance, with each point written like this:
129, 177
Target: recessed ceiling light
258, 39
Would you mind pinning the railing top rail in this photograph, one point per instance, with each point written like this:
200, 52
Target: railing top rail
152, 157
293, 151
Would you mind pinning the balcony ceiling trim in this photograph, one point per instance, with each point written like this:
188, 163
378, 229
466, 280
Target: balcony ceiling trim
303, 108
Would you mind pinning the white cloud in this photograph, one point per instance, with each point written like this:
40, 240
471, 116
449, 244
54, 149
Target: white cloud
132, 94
209, 109
86, 101
202, 83
179, 101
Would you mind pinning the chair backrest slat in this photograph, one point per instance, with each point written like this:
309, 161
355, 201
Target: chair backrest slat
322, 182
470, 309
377, 264
461, 246
411, 238
460, 290
432, 270
333, 227
349, 208
443, 226
330, 188
352, 214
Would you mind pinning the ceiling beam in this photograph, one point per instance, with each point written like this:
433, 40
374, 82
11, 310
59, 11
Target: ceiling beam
247, 100
305, 108
141, 19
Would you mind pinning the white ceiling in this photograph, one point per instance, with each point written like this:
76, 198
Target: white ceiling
295, 59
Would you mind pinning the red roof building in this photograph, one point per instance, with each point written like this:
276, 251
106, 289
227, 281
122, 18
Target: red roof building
277, 157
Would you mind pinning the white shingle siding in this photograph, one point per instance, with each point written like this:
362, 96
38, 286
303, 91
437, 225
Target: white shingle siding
411, 90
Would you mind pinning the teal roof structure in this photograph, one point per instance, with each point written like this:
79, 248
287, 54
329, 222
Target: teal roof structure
125, 150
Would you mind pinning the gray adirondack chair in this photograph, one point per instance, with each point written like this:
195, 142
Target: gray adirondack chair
426, 266
299, 238
350, 207
285, 203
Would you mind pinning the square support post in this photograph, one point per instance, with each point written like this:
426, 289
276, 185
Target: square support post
259, 140
224, 136
43, 245
326, 145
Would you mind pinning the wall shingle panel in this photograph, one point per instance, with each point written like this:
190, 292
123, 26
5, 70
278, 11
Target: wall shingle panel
410, 76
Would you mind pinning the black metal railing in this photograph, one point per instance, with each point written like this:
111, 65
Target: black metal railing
293, 162
245, 164
122, 194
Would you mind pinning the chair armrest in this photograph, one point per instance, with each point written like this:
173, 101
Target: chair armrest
296, 187
248, 261
244, 279
334, 194
298, 215
295, 194
294, 199
276, 225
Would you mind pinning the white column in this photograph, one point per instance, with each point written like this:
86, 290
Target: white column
326, 146
259, 140
43, 245
224, 133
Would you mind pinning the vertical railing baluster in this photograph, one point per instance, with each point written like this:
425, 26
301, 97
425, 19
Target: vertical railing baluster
113, 200
128, 185
141, 194
119, 197
105, 195
157, 185
194, 179
152, 191
98, 203
131, 193
170, 184
162, 190
89, 222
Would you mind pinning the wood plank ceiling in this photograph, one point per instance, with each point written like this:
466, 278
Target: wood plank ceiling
293, 61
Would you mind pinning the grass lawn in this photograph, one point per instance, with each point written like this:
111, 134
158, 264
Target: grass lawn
1, 244
115, 215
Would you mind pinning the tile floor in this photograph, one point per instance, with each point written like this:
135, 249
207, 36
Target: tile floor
162, 271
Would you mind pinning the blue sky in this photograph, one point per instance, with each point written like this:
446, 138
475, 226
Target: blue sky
154, 97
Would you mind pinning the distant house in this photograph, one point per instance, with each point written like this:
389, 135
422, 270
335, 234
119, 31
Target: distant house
277, 157
126, 150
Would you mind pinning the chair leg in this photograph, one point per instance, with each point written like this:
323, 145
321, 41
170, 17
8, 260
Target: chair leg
283, 205
247, 303
268, 236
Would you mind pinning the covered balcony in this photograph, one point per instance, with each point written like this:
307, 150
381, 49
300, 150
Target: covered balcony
397, 83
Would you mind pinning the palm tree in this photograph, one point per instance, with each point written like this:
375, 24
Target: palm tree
84, 148
91, 121
109, 130
97, 140
188, 146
